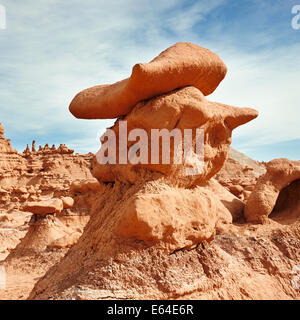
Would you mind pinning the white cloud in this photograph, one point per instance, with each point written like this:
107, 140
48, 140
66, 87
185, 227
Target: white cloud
182, 20
267, 81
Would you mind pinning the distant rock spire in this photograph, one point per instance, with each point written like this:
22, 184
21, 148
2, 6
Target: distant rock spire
27, 150
46, 148
33, 146
1, 131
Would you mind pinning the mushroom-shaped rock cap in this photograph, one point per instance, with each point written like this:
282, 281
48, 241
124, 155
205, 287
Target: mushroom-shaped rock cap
44, 207
183, 64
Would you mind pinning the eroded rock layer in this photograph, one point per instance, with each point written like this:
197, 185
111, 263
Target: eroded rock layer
33, 176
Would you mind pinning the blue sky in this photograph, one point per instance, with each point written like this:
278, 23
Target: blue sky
52, 49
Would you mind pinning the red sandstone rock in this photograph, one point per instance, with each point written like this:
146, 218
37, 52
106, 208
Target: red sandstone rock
83, 186
68, 202
42, 234
5, 144
175, 218
66, 241
63, 149
44, 207
239, 174
33, 148
287, 207
230, 207
280, 173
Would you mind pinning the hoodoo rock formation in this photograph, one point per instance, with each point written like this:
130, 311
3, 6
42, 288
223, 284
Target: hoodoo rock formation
134, 228
44, 207
193, 71
154, 231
